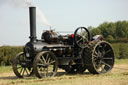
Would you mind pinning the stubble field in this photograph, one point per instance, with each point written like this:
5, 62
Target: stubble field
118, 76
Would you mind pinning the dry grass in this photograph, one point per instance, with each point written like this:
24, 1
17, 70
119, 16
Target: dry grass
118, 76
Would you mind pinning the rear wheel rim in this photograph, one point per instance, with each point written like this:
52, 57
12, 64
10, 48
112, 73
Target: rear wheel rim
103, 58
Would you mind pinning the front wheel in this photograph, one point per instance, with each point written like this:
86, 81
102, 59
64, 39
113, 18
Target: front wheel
45, 64
20, 67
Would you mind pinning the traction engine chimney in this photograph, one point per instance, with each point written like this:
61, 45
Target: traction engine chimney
32, 14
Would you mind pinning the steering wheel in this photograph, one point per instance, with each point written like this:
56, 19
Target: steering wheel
81, 37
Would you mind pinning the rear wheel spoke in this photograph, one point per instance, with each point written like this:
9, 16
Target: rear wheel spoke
23, 71
40, 64
95, 56
103, 69
19, 67
52, 62
106, 64
27, 72
108, 51
95, 53
105, 58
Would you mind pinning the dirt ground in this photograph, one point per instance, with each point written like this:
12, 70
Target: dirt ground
118, 76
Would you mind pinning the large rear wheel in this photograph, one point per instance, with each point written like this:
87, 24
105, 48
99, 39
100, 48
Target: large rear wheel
100, 59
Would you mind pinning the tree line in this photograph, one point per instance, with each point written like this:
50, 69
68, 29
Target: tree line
7, 53
112, 31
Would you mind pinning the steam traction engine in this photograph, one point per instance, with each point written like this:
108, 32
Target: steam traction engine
74, 53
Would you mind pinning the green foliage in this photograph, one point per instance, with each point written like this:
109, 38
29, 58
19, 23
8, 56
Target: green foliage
121, 29
116, 49
112, 31
110, 38
107, 29
7, 53
96, 32
120, 50
123, 51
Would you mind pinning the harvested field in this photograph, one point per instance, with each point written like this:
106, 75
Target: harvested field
118, 76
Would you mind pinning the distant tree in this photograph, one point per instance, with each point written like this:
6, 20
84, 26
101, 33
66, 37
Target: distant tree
110, 38
90, 28
103, 29
112, 30
107, 29
123, 51
121, 29
7, 53
95, 32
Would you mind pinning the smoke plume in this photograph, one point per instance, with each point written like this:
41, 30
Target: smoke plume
23, 3
26, 4
43, 19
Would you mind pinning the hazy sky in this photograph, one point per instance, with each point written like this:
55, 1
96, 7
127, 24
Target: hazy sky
63, 15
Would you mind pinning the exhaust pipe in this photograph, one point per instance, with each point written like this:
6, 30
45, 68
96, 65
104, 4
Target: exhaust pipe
32, 14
